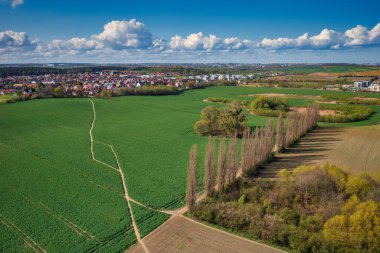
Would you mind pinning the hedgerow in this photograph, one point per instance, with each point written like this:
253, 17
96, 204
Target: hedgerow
345, 113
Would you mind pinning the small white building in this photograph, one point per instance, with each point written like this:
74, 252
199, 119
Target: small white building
374, 87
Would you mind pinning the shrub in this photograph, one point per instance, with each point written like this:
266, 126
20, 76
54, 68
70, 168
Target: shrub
241, 200
358, 186
359, 230
58, 92
219, 100
290, 216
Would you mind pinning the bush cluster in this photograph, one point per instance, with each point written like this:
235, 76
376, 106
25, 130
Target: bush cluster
312, 209
271, 107
224, 121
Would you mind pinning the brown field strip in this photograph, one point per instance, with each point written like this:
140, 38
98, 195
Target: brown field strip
181, 234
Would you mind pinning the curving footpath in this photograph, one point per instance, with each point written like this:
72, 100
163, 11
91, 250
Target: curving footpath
126, 196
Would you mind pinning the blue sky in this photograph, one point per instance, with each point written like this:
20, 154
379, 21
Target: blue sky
144, 31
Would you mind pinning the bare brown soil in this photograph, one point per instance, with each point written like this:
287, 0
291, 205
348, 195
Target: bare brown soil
181, 234
355, 150
321, 112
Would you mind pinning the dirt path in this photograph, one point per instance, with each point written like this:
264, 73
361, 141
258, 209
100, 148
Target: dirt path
27, 239
92, 139
120, 170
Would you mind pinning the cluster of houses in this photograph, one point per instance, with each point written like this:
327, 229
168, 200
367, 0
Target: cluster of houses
366, 85
108, 79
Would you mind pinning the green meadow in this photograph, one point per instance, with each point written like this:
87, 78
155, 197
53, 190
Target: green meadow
52, 190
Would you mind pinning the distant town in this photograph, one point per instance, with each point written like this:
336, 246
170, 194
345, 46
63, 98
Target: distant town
78, 80
90, 83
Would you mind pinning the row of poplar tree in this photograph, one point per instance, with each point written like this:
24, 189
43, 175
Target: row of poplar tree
256, 148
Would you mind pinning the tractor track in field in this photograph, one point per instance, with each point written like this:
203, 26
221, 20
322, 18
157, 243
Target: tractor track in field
27, 239
126, 195
68, 223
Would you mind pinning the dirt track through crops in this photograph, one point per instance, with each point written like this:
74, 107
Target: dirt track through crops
120, 170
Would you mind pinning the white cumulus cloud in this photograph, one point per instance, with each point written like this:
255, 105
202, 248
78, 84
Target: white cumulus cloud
328, 39
197, 41
76, 44
131, 38
125, 34
16, 41
361, 36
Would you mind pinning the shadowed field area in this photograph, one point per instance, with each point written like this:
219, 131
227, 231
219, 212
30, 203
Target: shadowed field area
355, 149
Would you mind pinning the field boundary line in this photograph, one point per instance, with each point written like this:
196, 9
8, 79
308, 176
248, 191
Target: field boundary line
26, 238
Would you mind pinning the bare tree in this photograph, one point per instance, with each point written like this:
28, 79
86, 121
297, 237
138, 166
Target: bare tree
298, 124
245, 152
222, 165
209, 164
279, 134
233, 160
191, 191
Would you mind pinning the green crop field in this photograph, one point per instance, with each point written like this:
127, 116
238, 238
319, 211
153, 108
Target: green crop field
54, 196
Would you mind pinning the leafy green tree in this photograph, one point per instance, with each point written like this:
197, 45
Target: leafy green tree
233, 119
227, 121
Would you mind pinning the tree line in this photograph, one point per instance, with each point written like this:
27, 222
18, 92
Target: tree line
257, 148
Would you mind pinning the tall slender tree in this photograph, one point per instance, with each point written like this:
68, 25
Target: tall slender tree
245, 152
279, 134
222, 165
209, 164
191, 191
233, 160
